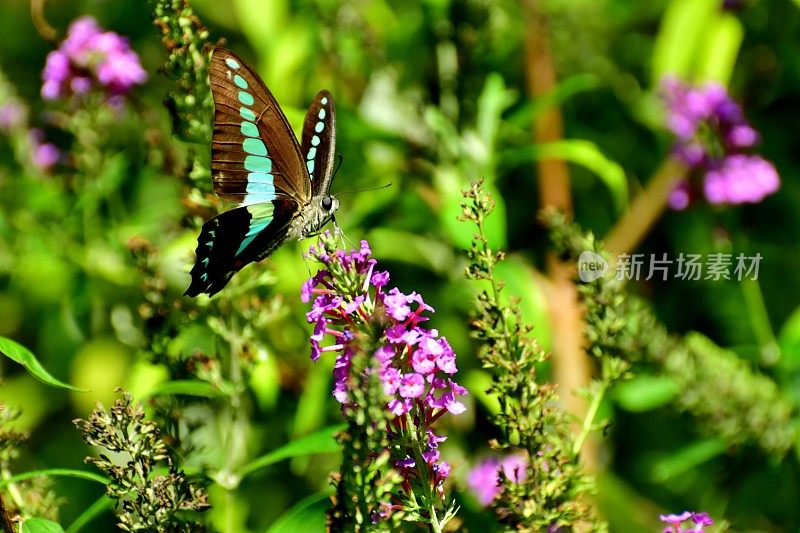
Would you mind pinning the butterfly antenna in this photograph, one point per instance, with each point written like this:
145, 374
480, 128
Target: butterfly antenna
366, 189
339, 161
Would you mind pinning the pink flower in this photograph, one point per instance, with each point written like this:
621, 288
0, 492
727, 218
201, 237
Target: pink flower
711, 136
412, 386
89, 57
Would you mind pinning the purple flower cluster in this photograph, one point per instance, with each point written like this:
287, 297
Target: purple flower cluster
90, 57
713, 139
484, 478
414, 364
675, 522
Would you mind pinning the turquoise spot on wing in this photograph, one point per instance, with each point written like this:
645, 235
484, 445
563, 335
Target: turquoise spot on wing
205, 261
321, 114
318, 128
310, 165
254, 146
255, 163
246, 98
315, 140
264, 191
242, 83
232, 63
204, 276
249, 129
256, 227
312, 153
324, 100
247, 114
259, 177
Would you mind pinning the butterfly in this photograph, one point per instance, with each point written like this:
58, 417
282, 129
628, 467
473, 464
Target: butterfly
282, 188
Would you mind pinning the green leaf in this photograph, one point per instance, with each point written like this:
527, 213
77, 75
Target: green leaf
718, 55
683, 27
306, 515
580, 152
189, 387
449, 184
523, 116
412, 248
320, 442
645, 393
311, 406
789, 342
99, 506
40, 525
478, 382
494, 99
20, 354
687, 459
55, 472
518, 275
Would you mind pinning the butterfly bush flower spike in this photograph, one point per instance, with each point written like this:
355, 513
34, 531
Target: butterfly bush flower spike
415, 366
715, 141
91, 58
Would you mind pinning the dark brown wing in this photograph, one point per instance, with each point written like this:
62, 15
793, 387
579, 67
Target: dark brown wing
255, 156
319, 142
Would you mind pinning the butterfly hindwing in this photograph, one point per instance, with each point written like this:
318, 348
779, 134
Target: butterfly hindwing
319, 142
235, 238
255, 155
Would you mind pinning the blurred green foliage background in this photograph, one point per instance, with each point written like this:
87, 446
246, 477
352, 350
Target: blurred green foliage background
94, 255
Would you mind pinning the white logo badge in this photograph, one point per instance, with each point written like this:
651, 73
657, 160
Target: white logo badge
591, 266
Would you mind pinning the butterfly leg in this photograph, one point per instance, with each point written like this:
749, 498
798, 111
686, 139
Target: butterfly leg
338, 230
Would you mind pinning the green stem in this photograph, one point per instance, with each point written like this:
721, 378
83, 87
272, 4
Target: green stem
588, 420
234, 425
422, 468
759, 320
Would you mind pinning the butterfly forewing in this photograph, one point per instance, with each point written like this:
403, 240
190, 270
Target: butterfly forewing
255, 156
319, 142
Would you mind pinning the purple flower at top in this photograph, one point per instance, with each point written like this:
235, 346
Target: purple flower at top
91, 57
712, 140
